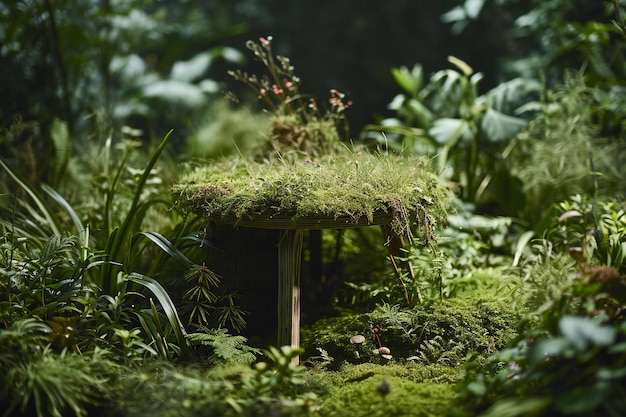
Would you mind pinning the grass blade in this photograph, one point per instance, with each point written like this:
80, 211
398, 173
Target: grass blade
43, 207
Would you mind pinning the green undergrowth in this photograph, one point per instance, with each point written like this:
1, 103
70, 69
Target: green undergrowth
415, 372
388, 395
357, 186
435, 332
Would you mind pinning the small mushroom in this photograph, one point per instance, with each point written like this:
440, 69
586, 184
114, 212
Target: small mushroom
384, 350
387, 357
357, 340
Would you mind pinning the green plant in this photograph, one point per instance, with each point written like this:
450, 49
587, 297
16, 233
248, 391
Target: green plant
448, 119
38, 381
570, 362
562, 153
593, 232
67, 278
223, 347
298, 123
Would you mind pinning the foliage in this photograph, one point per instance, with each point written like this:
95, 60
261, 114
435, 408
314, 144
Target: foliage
229, 131
356, 186
224, 348
140, 62
298, 123
448, 119
38, 381
68, 282
568, 358
430, 333
562, 154
167, 390
593, 232
570, 363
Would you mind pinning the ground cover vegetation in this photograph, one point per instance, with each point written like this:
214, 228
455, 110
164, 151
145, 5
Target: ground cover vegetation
504, 293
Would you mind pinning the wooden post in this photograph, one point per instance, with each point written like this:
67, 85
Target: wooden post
289, 257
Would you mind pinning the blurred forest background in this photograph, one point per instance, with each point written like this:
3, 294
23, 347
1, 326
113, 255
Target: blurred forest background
160, 65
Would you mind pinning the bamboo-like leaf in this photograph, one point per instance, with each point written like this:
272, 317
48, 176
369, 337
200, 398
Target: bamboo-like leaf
126, 229
409, 81
43, 207
106, 278
522, 242
462, 65
63, 203
167, 247
169, 309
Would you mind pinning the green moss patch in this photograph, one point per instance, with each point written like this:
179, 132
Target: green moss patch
383, 395
353, 187
441, 333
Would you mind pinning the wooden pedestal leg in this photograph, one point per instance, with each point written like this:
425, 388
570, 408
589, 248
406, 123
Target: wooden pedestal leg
289, 256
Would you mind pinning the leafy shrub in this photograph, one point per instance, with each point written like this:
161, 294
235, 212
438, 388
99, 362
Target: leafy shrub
562, 152
569, 360
37, 381
162, 389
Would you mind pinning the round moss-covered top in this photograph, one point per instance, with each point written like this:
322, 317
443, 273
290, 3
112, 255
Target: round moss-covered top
339, 191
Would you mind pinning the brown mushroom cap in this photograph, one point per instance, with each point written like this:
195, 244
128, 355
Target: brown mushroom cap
358, 339
384, 350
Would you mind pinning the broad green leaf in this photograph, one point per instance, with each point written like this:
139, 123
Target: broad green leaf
420, 112
517, 407
513, 91
175, 91
192, 69
448, 131
499, 127
473, 8
583, 332
546, 348
409, 81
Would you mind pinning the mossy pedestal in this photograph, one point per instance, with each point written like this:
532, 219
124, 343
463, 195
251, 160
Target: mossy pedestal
342, 191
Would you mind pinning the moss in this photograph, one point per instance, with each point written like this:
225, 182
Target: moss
416, 372
441, 333
384, 395
351, 186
